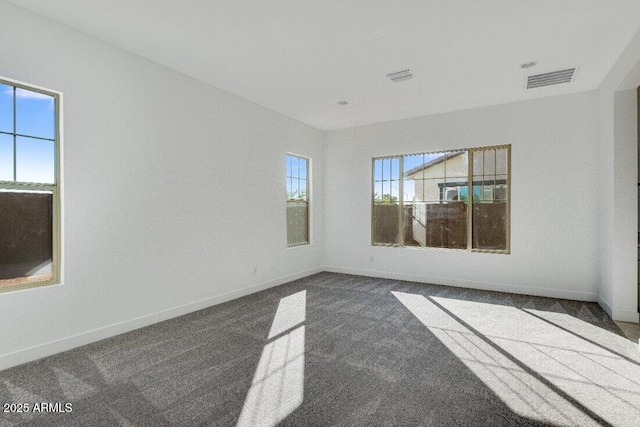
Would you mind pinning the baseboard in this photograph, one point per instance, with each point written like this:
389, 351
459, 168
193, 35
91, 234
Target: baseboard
33, 353
621, 315
626, 316
605, 305
487, 286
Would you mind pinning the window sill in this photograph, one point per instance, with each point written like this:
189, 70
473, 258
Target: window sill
429, 248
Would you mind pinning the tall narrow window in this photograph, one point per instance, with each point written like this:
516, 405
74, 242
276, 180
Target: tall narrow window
386, 200
490, 207
422, 200
297, 174
29, 190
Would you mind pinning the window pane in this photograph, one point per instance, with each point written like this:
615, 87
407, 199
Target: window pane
297, 223
490, 226
296, 188
6, 157
385, 222
412, 188
288, 161
386, 196
26, 239
6, 108
303, 168
302, 189
384, 169
456, 166
35, 114
432, 189
450, 194
435, 194
295, 167
434, 165
487, 192
395, 168
445, 225
395, 191
489, 162
463, 193
289, 187
501, 193
501, 161
386, 173
35, 160
297, 170
478, 162
413, 224
377, 169
413, 166
409, 189
490, 204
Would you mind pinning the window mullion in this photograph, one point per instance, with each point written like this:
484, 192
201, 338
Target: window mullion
470, 200
15, 142
401, 200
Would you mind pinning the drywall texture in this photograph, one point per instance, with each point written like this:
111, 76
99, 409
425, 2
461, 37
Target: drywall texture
554, 197
625, 193
618, 148
173, 192
624, 301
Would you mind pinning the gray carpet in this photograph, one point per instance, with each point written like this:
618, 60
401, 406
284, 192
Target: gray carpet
335, 349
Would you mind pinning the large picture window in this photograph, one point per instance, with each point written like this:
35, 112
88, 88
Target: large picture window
297, 175
29, 187
423, 200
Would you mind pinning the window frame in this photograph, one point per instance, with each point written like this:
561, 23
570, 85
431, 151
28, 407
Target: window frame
54, 188
469, 208
307, 199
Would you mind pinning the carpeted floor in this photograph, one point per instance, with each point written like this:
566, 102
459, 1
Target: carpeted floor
334, 349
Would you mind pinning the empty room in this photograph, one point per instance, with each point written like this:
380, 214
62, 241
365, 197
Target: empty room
319, 213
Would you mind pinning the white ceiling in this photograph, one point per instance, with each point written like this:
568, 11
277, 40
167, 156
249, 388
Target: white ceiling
300, 57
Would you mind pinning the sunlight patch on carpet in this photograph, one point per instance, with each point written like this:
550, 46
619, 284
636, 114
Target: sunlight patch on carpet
541, 370
277, 388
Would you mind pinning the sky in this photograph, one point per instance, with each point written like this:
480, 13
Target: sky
34, 117
386, 174
490, 164
296, 168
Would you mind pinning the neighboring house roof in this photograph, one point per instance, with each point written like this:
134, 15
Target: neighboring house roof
432, 163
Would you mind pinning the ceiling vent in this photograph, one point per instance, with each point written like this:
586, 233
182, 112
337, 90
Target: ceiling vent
400, 76
552, 78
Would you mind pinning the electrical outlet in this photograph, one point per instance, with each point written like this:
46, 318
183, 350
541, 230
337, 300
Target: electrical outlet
255, 271
371, 259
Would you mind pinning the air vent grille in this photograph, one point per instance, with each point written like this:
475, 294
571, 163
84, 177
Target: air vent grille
552, 78
400, 76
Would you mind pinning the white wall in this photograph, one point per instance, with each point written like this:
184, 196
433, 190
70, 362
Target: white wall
626, 203
554, 215
618, 146
173, 192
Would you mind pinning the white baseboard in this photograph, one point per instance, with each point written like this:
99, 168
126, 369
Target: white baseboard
605, 305
58, 346
33, 353
626, 316
487, 286
621, 315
